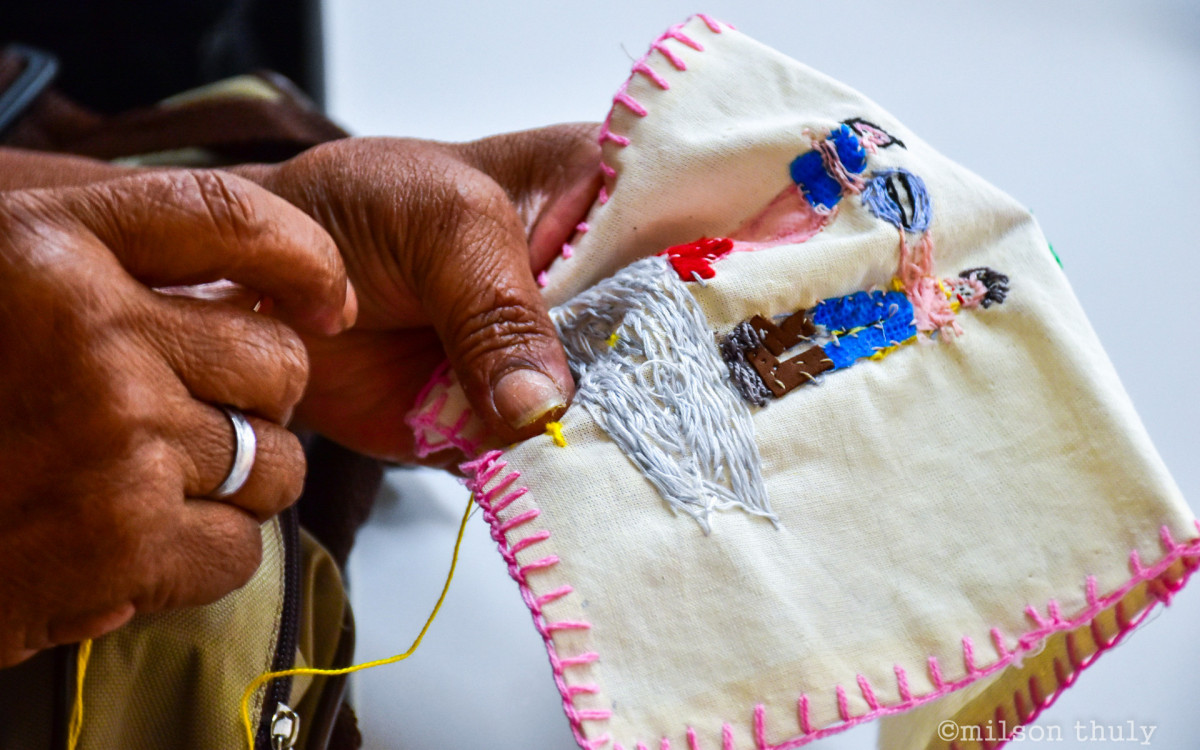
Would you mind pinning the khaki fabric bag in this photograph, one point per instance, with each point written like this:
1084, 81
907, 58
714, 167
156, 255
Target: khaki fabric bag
175, 679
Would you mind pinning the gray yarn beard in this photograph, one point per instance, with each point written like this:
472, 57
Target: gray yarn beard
661, 393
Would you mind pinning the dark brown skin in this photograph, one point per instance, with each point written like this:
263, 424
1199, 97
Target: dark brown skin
441, 243
112, 439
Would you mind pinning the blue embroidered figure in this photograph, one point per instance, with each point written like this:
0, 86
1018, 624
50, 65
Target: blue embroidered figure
843, 331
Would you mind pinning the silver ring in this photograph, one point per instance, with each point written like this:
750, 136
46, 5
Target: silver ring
245, 444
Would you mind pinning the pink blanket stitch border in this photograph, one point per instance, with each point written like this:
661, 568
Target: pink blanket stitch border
485, 468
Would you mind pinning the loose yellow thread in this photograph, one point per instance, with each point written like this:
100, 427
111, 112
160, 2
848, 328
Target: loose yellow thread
613, 339
76, 726
554, 430
266, 677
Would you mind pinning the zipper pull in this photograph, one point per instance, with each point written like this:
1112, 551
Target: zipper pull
285, 728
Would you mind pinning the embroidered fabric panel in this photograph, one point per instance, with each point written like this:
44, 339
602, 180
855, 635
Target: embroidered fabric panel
648, 371
720, 630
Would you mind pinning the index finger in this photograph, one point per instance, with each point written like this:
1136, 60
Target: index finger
193, 226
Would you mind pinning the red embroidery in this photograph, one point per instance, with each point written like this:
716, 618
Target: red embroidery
695, 259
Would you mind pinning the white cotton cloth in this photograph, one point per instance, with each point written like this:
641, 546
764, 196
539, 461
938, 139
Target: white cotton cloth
946, 515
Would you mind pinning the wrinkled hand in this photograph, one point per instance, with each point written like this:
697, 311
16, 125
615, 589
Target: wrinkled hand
441, 242
110, 439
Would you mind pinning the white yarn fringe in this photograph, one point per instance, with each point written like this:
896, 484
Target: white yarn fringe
660, 392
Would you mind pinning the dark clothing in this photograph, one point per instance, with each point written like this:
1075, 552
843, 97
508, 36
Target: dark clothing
120, 54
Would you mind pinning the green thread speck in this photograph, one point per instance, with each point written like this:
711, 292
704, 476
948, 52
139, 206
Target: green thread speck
1057, 259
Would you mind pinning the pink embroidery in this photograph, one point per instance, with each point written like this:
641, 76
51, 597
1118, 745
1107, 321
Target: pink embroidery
930, 305
642, 66
868, 694
1189, 553
426, 420
968, 654
802, 712
480, 472
433, 434
901, 685
935, 673
713, 25
842, 704
647, 71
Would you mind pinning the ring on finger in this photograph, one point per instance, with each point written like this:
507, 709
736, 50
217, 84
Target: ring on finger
245, 445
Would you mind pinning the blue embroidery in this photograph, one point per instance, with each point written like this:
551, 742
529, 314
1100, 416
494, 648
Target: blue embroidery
899, 197
850, 151
883, 319
809, 173
838, 314
821, 190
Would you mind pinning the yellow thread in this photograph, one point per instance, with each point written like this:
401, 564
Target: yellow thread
81, 662
613, 339
897, 285
554, 430
266, 677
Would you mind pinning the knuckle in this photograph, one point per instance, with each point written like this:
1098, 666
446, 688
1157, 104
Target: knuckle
243, 559
228, 202
293, 466
277, 362
502, 326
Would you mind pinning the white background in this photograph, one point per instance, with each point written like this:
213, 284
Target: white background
1087, 112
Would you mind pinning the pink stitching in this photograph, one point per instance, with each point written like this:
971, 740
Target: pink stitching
901, 684
802, 714
935, 673
424, 421
969, 654
633, 105
1053, 610
481, 471
693, 743
509, 499
578, 661
998, 642
545, 562
1027, 642
726, 737
713, 25
485, 467
519, 520
568, 624
646, 70
642, 66
557, 593
868, 694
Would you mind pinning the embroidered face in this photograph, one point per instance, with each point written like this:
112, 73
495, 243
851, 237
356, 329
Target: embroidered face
899, 197
968, 292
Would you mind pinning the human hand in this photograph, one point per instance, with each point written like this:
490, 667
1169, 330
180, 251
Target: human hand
110, 440
442, 242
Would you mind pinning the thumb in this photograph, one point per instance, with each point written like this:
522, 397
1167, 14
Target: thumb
475, 284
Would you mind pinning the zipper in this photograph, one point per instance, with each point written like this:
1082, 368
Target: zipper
285, 728
279, 691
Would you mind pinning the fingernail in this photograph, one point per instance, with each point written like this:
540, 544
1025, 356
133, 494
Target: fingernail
524, 397
350, 309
